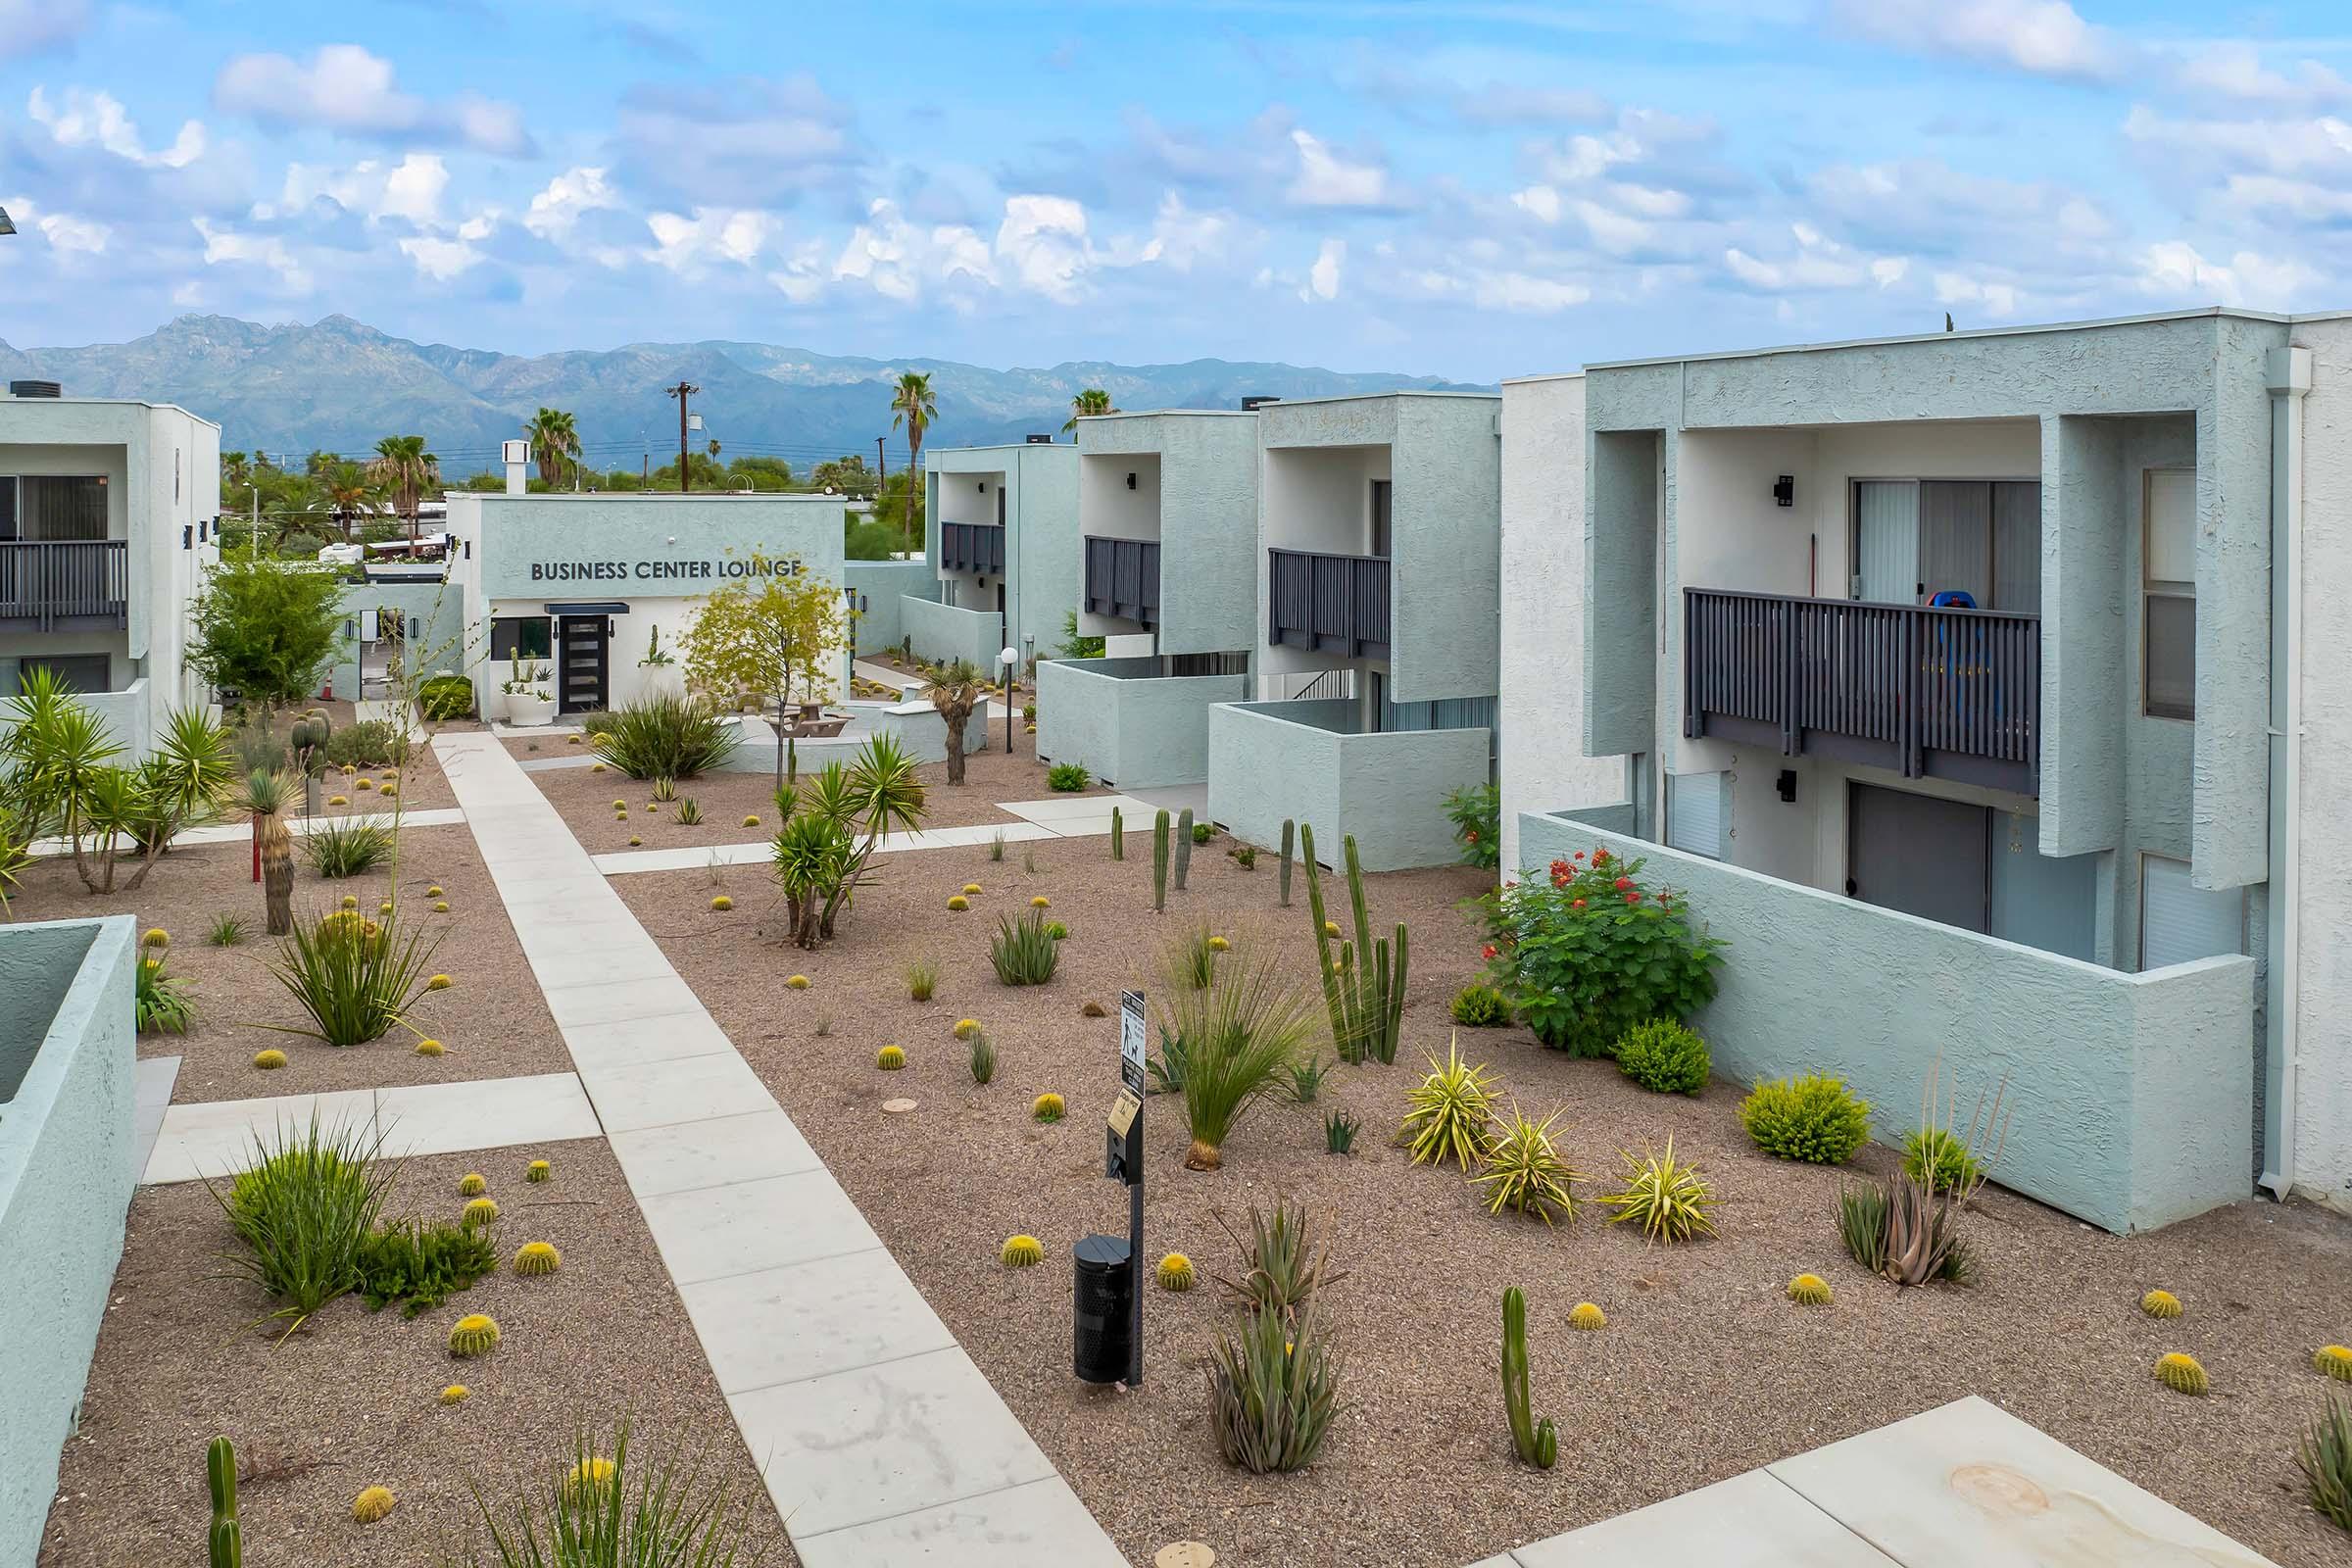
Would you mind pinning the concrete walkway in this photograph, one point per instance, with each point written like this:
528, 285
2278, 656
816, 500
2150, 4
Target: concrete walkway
1067, 816
299, 826
880, 1441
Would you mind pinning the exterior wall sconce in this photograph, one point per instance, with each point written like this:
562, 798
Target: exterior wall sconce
1788, 785
1784, 490
187, 536
469, 550
1131, 481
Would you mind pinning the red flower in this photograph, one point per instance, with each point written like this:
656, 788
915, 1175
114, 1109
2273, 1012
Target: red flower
1633, 897
1487, 951
1470, 834
1580, 855
1576, 903
1600, 857
1621, 883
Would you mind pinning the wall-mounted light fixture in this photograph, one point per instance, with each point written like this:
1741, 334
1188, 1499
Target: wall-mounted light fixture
469, 550
187, 536
1131, 481
1788, 784
1784, 490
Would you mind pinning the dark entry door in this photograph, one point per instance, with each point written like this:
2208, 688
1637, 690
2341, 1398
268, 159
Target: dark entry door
1919, 854
580, 664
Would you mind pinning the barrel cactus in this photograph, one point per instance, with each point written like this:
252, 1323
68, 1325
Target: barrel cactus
587, 1477
959, 904
1809, 1290
2333, 1359
889, 1058
798, 982
965, 1028
472, 1185
372, 1504
538, 1170
1584, 1315
269, 1061
1022, 1252
456, 1394
538, 1257
1047, 1108
1176, 1272
478, 1211
429, 1046
474, 1333
2181, 1372
2160, 1304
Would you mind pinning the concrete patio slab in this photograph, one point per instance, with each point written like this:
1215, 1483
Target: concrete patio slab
715, 1233
887, 1441
1059, 807
573, 758
629, 1042
660, 1094
1021, 1527
859, 1309
489, 1113
1750, 1521
619, 1000
624, 861
216, 1138
601, 962
688, 1155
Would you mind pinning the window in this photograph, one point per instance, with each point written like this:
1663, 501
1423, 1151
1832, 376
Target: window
61, 507
2168, 596
8, 507
514, 637
1381, 504
1695, 812
2180, 923
77, 672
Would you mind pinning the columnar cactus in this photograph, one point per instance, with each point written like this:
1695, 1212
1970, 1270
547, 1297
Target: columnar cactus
1363, 987
227, 1538
1538, 1443
308, 739
1118, 835
1159, 862
1184, 847
1289, 830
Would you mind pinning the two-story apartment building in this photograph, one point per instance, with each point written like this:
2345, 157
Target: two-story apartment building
1167, 521
107, 526
1963, 682
1002, 531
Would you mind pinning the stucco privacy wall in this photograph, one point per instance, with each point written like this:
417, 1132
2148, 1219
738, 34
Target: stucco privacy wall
2123, 1092
2206, 363
1271, 761
1125, 722
66, 1176
943, 632
1207, 524
438, 637
879, 586
1544, 766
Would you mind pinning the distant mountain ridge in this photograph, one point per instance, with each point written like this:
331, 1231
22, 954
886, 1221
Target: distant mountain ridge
340, 384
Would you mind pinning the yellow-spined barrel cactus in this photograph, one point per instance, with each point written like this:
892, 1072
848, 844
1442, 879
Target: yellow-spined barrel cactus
960, 904
433, 892
384, 907
440, 907
156, 937
351, 901
480, 1211
1219, 944
596, 767
429, 1046
472, 1185
2181, 1372
1176, 1272
1047, 1108
2333, 1359
965, 1028
1584, 1315
269, 1061
799, 982
538, 1170
456, 1394
889, 1058
587, 1477
2160, 1304
1809, 1290
620, 806
538, 1257
1330, 928
1023, 1251
971, 887
751, 821
364, 784
439, 982
1041, 901
338, 799
723, 903
474, 1333
634, 841
372, 1504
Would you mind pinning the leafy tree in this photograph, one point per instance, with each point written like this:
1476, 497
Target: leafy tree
762, 474
403, 466
780, 629
266, 628
848, 474
1093, 401
914, 408
1073, 646
956, 692
237, 471
867, 539
554, 442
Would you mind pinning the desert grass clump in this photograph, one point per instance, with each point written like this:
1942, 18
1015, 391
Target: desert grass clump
1022, 1252
538, 1170
1668, 1198
889, 1058
1176, 1272
1663, 1056
1814, 1119
2324, 1456
352, 846
474, 1333
1450, 1111
1197, 959
995, 845
1587, 1318
666, 738
1024, 953
2181, 1372
1810, 1289
1525, 1173
354, 978
371, 1504
922, 979
2160, 1304
305, 1211
1047, 1108
1237, 1038
596, 1509
1273, 1389
982, 1057
2333, 1359
1917, 1236
227, 931
537, 1257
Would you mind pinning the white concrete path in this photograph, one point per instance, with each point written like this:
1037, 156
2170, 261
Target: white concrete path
215, 1137
1070, 816
880, 1442
299, 826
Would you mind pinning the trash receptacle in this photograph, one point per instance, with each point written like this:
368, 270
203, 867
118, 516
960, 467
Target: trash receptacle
1103, 1333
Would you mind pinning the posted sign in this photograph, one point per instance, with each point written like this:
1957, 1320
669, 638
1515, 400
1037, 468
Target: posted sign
1131, 1040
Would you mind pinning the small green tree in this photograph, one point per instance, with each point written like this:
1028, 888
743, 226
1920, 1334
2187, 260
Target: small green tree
781, 628
267, 627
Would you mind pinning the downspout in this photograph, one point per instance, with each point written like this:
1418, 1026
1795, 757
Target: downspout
2289, 378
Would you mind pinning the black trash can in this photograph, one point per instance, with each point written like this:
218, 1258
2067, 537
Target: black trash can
1103, 1338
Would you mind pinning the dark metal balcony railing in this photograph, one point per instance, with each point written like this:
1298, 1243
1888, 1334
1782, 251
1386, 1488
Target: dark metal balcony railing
1944, 692
78, 582
1122, 579
1331, 604
975, 547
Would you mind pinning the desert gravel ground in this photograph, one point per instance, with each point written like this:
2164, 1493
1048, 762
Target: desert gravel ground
491, 1020
1705, 1370
351, 1401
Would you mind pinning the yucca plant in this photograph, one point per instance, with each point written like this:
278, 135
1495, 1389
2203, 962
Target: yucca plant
665, 737
352, 846
1236, 1040
1273, 1387
355, 977
1024, 951
1668, 1198
305, 1211
2324, 1455
595, 1511
688, 814
1525, 1173
1287, 1262
267, 797
1450, 1111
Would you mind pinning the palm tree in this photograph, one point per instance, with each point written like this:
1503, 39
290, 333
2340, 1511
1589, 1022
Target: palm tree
348, 494
955, 692
237, 471
404, 467
1093, 401
915, 409
555, 441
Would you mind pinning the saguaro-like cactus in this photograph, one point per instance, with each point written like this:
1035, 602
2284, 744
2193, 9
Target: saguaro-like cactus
1118, 835
1159, 862
1538, 1444
226, 1541
1289, 831
1184, 847
1363, 985
307, 739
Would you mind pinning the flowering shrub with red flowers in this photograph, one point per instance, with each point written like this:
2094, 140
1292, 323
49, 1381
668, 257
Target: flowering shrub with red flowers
1587, 951
1477, 818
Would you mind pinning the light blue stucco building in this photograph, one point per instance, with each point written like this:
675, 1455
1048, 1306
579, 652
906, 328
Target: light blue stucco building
1000, 532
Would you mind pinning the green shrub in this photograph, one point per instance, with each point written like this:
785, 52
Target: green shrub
421, 1263
1024, 951
161, 1004
445, 697
1273, 1387
369, 742
2324, 1455
1586, 953
1068, 777
351, 847
1195, 959
1202, 832
1945, 1152
1476, 813
1814, 1119
594, 722
593, 1510
353, 976
1479, 1007
1664, 1058
665, 737
305, 1211
227, 931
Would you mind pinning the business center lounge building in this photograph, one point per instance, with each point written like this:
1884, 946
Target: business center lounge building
581, 584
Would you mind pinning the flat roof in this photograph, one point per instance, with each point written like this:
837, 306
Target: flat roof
1390, 392
2203, 312
575, 497
997, 446
9, 399
1185, 414
1554, 375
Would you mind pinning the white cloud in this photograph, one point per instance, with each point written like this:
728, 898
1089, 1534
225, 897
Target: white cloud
2236, 70
1325, 179
744, 141
2041, 37
1505, 104
437, 258
685, 244
344, 88
1818, 262
1182, 238
99, 119
2173, 271
224, 246
2321, 144
1995, 299
65, 232
1044, 245
1526, 294
898, 259
1323, 279
410, 190
555, 210
31, 27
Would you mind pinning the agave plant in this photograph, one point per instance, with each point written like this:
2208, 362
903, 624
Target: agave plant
1274, 1386
1288, 1261
1525, 1173
1449, 1112
1667, 1198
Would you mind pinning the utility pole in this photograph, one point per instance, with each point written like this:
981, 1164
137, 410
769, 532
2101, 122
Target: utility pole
682, 391
881, 465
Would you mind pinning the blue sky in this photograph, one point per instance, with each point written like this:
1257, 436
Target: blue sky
1438, 186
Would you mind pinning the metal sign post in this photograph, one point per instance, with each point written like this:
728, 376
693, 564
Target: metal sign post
1131, 1083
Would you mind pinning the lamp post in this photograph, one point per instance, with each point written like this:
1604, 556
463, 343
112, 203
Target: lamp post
1009, 658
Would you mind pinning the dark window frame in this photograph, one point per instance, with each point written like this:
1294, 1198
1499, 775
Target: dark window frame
512, 647
2171, 593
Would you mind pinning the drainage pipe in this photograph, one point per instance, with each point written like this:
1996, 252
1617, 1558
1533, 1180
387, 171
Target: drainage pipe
2289, 379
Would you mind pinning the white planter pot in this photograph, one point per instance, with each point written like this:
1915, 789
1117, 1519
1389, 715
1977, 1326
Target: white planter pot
529, 709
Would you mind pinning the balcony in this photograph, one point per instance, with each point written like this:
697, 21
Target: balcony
1122, 579
1924, 692
973, 547
1329, 604
79, 584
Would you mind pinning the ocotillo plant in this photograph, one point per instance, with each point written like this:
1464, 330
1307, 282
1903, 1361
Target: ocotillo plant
226, 1541
1538, 1444
1365, 993
1118, 835
1289, 830
1184, 847
1159, 862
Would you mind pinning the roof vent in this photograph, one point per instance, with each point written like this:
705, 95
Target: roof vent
35, 389
1040, 440
1250, 405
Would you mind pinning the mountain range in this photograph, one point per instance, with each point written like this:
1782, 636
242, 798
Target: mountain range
339, 385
